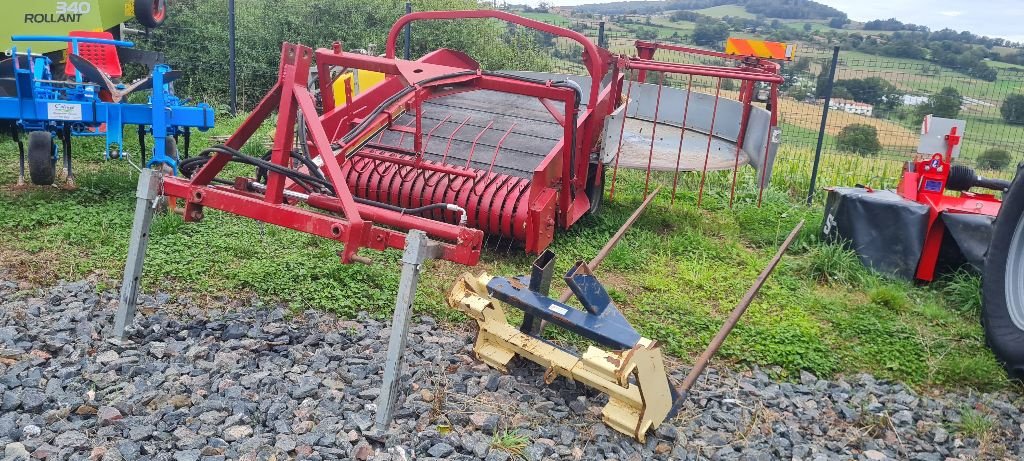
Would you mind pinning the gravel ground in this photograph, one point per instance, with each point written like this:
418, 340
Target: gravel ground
237, 380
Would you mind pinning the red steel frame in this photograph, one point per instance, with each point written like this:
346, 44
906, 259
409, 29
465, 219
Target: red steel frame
751, 71
555, 196
927, 185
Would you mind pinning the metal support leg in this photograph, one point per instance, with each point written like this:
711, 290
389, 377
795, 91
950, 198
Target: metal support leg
16, 135
418, 249
65, 140
146, 196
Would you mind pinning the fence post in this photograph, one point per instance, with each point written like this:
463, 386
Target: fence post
408, 32
232, 70
824, 121
600, 35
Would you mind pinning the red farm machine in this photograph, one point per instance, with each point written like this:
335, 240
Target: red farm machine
442, 154
936, 221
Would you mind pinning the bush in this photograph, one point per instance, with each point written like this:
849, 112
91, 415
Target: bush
859, 138
994, 159
1013, 109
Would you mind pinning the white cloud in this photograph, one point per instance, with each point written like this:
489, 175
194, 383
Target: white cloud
951, 14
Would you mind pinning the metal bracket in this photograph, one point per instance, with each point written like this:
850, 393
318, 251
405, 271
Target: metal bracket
418, 248
146, 198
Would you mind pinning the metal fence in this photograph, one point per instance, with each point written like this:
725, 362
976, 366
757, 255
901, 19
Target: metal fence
887, 96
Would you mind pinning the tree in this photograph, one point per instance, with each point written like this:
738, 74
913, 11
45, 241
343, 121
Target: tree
860, 139
710, 34
873, 90
946, 103
994, 159
808, 27
1013, 109
838, 22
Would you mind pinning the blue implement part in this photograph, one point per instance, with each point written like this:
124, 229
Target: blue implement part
601, 322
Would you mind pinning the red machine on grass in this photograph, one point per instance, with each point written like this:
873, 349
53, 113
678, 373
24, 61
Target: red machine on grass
441, 153
927, 179
922, 228
458, 152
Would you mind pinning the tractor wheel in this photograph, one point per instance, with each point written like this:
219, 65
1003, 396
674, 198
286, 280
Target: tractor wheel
41, 164
151, 13
1002, 288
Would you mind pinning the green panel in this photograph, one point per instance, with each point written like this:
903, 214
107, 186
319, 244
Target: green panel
53, 17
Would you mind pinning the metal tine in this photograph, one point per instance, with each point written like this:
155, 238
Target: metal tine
682, 136
711, 134
444, 158
472, 148
654, 130
622, 130
416, 173
495, 156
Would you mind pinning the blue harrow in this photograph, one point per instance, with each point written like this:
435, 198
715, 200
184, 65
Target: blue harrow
90, 102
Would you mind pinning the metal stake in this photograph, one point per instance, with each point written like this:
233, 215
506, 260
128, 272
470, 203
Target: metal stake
824, 124
146, 196
418, 249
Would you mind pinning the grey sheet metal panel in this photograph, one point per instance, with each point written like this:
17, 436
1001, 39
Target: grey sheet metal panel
972, 234
759, 134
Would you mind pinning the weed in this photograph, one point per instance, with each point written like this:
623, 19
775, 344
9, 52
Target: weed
833, 263
975, 424
962, 290
890, 297
510, 442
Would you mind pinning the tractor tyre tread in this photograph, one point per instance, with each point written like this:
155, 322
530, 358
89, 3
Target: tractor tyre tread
42, 167
1004, 337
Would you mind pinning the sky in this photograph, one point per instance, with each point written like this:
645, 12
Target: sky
995, 18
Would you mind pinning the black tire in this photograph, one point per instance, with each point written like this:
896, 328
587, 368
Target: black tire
1005, 335
151, 13
41, 164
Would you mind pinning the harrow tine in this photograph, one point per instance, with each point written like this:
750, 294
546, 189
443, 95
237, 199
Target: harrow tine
654, 131
622, 131
497, 149
472, 148
711, 135
682, 135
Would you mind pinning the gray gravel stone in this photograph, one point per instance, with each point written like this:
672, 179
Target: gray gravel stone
231, 379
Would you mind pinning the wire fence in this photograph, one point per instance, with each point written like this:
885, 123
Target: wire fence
872, 127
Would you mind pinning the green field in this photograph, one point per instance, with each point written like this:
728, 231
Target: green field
736, 11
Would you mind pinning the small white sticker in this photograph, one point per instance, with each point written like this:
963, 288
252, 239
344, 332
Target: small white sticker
63, 111
556, 308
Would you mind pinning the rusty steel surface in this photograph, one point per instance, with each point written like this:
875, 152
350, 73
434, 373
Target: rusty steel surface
637, 153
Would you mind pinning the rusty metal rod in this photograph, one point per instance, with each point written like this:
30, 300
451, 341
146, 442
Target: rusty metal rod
684, 389
607, 248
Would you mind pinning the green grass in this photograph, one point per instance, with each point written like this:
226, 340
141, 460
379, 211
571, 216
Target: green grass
510, 442
974, 424
676, 275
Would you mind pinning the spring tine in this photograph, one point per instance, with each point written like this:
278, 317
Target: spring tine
682, 135
472, 148
622, 130
497, 148
448, 148
654, 131
426, 143
711, 135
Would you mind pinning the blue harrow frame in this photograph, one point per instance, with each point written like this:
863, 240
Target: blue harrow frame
75, 108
